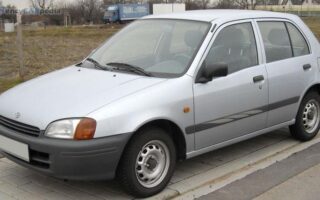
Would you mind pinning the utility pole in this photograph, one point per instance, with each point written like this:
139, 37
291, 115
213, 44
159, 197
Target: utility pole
20, 47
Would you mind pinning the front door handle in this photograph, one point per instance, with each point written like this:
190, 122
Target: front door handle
258, 78
306, 67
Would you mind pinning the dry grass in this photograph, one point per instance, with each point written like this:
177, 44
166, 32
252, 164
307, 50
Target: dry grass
314, 25
49, 49
8, 83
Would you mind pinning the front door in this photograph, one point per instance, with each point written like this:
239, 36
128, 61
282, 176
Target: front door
232, 106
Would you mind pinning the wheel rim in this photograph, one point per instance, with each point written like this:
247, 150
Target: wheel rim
152, 163
311, 116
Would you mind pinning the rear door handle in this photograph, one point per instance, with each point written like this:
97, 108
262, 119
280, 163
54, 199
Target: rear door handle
258, 78
306, 66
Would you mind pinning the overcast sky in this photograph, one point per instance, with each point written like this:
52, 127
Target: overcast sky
18, 3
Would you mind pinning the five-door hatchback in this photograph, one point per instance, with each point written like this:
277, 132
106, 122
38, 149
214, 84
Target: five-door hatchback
164, 88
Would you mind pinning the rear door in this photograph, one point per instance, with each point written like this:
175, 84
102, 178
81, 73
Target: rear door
232, 106
290, 66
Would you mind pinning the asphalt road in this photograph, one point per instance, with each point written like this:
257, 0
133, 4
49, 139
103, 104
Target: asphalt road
297, 177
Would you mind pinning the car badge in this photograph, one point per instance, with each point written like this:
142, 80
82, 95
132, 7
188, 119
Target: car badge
17, 115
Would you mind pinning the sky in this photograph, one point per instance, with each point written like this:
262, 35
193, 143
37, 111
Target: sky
18, 3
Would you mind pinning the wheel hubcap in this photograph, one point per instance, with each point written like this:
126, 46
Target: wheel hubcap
152, 163
311, 116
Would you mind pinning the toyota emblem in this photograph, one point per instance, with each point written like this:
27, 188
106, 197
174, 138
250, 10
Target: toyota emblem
17, 115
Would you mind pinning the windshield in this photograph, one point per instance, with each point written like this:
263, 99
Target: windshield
163, 48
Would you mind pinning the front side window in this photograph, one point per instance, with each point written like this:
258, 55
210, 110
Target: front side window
299, 44
163, 48
276, 41
235, 46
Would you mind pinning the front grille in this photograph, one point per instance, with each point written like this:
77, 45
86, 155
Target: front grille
19, 127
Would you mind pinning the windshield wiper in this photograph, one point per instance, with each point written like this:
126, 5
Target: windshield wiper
129, 67
97, 64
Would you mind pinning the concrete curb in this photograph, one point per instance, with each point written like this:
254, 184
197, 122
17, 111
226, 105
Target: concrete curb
221, 176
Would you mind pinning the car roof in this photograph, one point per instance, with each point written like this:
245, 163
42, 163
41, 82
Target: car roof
213, 14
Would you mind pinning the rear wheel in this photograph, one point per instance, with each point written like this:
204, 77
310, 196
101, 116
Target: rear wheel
307, 122
148, 163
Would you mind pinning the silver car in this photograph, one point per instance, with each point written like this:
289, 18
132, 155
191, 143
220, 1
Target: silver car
166, 88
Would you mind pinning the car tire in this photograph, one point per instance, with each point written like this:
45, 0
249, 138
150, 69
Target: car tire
307, 122
148, 162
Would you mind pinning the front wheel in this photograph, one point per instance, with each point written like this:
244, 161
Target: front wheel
148, 163
307, 122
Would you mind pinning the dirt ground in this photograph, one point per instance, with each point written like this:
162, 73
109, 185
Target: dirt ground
52, 48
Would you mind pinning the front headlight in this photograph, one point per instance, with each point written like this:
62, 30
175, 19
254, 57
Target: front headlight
78, 129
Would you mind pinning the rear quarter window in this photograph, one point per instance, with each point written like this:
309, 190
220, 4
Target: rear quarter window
299, 44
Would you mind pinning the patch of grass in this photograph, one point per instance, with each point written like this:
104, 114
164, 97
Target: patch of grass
49, 49
314, 25
72, 32
6, 84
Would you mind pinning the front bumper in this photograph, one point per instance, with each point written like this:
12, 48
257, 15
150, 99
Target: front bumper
68, 159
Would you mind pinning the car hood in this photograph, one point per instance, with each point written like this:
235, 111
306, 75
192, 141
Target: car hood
66, 93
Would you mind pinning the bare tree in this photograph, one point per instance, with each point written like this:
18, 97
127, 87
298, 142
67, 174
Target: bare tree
85, 11
242, 4
254, 3
226, 4
109, 2
204, 4
271, 2
91, 8
87, 7
41, 4
297, 2
195, 4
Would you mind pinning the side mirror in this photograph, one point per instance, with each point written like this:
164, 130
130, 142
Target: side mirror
211, 71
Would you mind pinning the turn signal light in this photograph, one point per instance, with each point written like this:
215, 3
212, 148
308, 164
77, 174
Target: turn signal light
186, 109
85, 129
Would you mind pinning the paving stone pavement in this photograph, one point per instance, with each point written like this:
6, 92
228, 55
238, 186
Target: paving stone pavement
17, 182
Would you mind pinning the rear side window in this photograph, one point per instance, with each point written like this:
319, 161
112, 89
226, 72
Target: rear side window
235, 46
276, 41
299, 44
